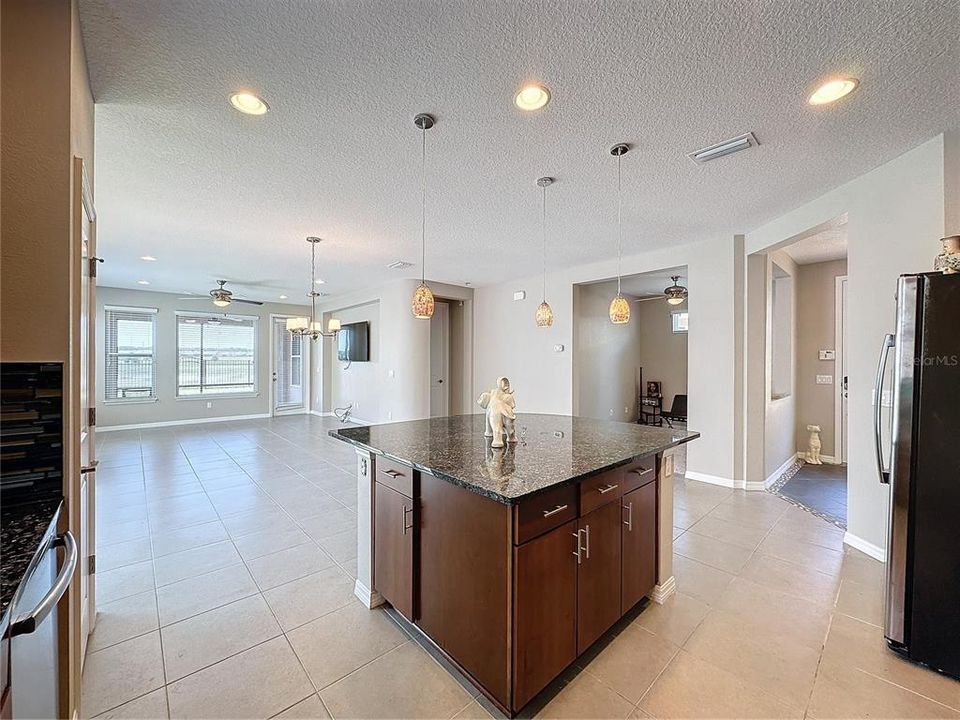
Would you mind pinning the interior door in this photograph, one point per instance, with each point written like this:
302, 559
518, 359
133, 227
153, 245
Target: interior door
288, 363
86, 235
440, 361
843, 370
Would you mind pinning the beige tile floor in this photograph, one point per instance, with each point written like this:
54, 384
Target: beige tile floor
225, 581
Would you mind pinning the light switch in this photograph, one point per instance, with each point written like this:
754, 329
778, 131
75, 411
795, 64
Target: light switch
828, 355
824, 379
520, 295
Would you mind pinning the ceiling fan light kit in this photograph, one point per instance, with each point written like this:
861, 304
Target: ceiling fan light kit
309, 326
675, 294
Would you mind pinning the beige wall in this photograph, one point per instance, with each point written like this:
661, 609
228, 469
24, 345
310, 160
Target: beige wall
357, 383
781, 414
816, 327
607, 355
663, 353
168, 408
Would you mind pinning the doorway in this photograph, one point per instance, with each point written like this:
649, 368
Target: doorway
440, 360
288, 369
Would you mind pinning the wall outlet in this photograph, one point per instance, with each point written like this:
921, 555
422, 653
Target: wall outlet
520, 295
209, 405
611, 412
828, 355
389, 414
558, 348
824, 379
626, 410
390, 373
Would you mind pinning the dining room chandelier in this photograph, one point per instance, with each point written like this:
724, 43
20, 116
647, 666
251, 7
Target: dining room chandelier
309, 326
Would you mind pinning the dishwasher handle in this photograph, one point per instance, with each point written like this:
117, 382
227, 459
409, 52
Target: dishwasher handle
888, 342
29, 622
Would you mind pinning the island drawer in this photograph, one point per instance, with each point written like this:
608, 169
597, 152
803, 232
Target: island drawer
600, 489
544, 512
639, 473
395, 475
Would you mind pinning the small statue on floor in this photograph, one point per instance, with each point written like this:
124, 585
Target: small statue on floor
501, 418
813, 452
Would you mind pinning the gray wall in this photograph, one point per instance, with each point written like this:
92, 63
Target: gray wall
663, 353
167, 407
781, 417
607, 355
816, 327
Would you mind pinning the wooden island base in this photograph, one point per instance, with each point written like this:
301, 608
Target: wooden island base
513, 594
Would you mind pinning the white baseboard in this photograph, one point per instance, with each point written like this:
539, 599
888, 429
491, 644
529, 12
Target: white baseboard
174, 423
712, 479
827, 459
370, 598
864, 546
360, 421
774, 476
664, 590
321, 414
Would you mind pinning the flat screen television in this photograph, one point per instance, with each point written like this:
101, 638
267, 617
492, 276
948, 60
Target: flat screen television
354, 342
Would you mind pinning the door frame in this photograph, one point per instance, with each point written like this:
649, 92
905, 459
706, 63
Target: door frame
272, 366
840, 287
443, 319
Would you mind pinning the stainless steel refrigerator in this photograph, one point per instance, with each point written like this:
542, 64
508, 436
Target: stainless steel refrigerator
922, 601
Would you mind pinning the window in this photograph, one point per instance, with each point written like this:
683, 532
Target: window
216, 355
129, 368
680, 319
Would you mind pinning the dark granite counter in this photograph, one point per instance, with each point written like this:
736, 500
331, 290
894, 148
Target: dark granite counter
22, 527
553, 450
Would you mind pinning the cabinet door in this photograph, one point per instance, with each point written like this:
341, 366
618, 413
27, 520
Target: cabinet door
639, 531
598, 581
545, 610
393, 548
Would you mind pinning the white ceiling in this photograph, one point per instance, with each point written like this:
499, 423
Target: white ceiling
829, 244
213, 193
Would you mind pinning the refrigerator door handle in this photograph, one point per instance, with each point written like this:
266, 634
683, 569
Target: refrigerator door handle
878, 407
28, 622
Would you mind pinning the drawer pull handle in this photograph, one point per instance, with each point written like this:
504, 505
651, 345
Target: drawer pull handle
558, 508
392, 473
641, 473
608, 488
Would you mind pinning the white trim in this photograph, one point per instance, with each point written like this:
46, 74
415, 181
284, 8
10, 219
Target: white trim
775, 475
370, 598
361, 421
173, 423
213, 315
864, 546
712, 479
838, 362
131, 308
318, 413
662, 591
305, 365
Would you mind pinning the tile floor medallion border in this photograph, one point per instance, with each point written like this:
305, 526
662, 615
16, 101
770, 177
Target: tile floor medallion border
787, 477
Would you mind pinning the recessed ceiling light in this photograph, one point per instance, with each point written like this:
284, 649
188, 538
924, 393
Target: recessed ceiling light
318, 281
532, 97
283, 297
143, 282
249, 103
148, 258
833, 90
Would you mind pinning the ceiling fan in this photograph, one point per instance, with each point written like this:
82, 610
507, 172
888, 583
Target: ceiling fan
222, 297
676, 294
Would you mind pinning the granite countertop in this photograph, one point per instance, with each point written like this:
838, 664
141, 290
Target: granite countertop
553, 450
22, 527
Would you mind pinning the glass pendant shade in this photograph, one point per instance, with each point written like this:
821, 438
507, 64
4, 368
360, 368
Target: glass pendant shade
619, 310
221, 303
544, 315
333, 325
298, 323
675, 300
422, 303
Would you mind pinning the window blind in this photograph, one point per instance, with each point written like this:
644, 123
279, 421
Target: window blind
216, 355
130, 371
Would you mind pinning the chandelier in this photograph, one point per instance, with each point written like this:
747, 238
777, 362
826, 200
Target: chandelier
311, 327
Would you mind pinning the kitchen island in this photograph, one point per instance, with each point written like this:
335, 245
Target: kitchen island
513, 561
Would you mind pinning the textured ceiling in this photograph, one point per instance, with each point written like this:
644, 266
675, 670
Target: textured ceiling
212, 193
829, 244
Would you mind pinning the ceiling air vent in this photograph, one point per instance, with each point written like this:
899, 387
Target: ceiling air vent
399, 265
741, 142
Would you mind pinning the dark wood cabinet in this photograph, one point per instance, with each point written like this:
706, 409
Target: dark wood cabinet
639, 547
545, 610
598, 576
394, 529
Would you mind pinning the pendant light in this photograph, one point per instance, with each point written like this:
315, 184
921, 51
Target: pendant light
422, 302
544, 311
675, 294
619, 307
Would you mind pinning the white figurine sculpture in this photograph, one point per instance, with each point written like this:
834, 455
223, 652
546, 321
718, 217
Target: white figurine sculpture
813, 453
501, 418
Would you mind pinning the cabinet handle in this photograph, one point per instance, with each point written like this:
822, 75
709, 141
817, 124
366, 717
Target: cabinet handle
558, 508
641, 473
586, 531
403, 522
392, 473
608, 488
629, 521
577, 551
